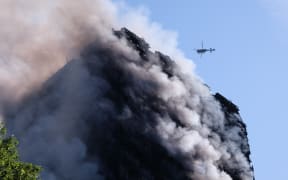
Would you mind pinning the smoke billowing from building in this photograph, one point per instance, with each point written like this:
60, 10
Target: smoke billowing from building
89, 102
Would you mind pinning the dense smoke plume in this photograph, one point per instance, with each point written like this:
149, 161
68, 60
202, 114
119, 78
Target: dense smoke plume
89, 102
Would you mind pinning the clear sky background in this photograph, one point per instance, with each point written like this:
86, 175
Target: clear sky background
249, 66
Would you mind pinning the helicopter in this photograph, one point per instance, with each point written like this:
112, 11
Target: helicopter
202, 50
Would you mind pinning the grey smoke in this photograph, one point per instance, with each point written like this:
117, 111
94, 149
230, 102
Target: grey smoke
116, 110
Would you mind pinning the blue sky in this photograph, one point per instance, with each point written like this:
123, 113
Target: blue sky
249, 66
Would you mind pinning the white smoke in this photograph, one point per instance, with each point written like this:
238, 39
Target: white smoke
39, 37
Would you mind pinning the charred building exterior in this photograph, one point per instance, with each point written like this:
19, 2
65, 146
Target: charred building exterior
118, 115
